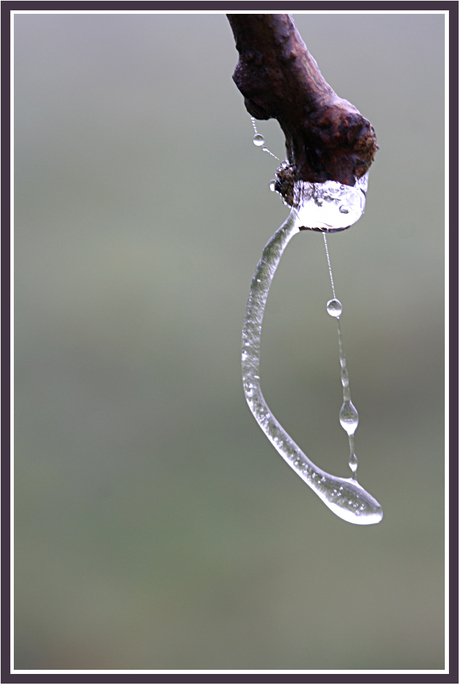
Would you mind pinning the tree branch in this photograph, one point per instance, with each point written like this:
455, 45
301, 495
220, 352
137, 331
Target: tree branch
326, 137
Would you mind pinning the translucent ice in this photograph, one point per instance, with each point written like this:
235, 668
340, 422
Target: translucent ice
330, 206
344, 496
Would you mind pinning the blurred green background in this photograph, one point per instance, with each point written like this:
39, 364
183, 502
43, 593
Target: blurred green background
156, 527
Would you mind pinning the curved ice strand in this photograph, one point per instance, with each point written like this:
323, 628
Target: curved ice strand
344, 496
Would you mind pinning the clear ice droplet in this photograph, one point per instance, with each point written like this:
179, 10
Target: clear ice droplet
353, 462
334, 307
329, 206
349, 417
258, 140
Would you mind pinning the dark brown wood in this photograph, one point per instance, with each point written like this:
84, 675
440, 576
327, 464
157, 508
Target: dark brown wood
326, 137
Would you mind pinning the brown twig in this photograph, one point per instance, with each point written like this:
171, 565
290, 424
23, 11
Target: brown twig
326, 137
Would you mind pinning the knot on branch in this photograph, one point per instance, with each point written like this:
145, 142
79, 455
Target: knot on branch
326, 136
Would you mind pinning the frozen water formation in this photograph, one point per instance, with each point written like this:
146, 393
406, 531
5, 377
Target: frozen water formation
330, 206
344, 496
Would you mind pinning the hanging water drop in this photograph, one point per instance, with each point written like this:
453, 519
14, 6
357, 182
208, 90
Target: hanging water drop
258, 140
349, 417
353, 463
334, 307
272, 185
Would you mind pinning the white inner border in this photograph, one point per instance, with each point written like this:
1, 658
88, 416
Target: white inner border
446, 344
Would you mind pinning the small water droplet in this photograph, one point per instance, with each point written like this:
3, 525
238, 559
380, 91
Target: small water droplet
334, 308
258, 140
349, 417
353, 463
343, 209
272, 185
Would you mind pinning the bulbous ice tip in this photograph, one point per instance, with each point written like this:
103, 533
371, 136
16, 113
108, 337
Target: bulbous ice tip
354, 504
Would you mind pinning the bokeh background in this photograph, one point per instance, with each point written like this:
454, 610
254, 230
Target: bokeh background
155, 526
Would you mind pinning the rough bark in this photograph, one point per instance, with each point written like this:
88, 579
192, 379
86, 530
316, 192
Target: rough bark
326, 137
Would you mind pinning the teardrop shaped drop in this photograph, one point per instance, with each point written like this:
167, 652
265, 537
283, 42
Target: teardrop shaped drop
349, 417
258, 140
353, 462
272, 185
334, 307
